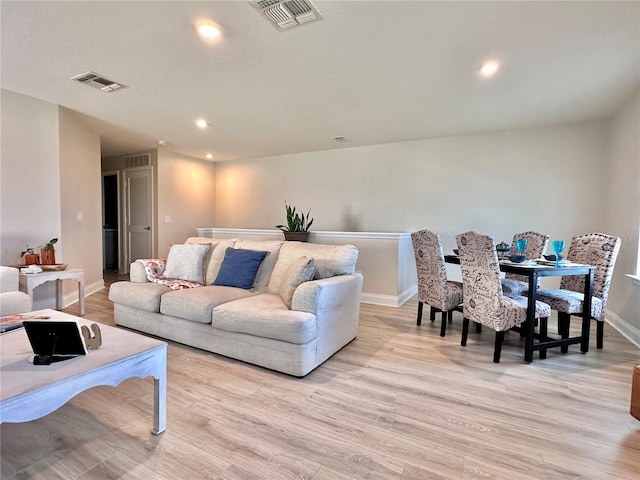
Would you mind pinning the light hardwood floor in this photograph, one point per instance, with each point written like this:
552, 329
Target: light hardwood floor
397, 403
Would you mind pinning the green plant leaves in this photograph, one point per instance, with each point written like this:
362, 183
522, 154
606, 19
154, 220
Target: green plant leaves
296, 222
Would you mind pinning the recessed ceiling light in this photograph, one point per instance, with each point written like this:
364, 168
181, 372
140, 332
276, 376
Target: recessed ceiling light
162, 142
487, 69
209, 156
202, 123
208, 29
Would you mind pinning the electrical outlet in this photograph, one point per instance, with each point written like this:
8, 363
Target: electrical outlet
79, 216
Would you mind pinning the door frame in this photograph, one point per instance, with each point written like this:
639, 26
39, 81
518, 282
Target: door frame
124, 252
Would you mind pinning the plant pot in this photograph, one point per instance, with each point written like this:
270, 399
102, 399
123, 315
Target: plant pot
31, 259
296, 236
47, 257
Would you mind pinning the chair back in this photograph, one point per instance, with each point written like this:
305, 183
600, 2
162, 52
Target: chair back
481, 288
432, 274
536, 245
599, 250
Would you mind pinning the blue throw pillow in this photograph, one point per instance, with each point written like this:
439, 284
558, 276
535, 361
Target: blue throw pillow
239, 268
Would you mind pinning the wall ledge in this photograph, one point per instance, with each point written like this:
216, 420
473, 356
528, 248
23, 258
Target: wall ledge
312, 234
634, 278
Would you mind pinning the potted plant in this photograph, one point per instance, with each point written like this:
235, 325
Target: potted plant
297, 227
48, 253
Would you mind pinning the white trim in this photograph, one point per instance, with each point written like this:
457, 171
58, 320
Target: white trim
389, 300
210, 232
634, 278
623, 327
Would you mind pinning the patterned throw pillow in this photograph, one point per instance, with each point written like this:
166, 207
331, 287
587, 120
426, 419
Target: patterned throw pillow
302, 270
186, 262
239, 268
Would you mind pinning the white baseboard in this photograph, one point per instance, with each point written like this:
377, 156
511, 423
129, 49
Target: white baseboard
623, 327
389, 300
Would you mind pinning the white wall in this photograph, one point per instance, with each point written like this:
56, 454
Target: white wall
29, 176
623, 216
186, 194
81, 192
500, 183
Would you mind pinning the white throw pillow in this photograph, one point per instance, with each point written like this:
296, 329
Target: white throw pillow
302, 270
187, 262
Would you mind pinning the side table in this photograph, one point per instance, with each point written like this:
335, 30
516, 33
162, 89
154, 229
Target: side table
29, 281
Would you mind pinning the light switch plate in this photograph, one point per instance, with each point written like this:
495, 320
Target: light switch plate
167, 219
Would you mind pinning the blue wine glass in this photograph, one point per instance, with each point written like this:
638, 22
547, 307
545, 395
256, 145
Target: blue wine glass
558, 247
521, 244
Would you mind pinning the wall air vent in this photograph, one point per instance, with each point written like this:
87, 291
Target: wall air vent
96, 80
285, 14
142, 160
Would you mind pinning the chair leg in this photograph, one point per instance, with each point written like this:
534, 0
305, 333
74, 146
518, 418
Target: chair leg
432, 314
443, 325
419, 320
543, 335
498, 347
599, 333
478, 327
465, 331
450, 316
564, 327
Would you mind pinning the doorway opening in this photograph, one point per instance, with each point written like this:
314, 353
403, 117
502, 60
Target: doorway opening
110, 221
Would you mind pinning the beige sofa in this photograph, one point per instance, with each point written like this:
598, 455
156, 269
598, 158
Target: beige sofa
277, 324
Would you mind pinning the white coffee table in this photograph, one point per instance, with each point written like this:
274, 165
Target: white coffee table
28, 391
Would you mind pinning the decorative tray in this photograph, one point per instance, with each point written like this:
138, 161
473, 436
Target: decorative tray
47, 268
55, 267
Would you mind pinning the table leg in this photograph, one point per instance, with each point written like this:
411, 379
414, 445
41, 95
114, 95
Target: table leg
160, 397
58, 294
81, 296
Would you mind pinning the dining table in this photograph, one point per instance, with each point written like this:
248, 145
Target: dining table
534, 270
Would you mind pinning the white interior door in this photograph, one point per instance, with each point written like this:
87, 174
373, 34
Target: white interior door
139, 225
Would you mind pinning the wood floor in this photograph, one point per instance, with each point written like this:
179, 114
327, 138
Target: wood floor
397, 403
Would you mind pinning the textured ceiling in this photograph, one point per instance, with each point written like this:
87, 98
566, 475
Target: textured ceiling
373, 72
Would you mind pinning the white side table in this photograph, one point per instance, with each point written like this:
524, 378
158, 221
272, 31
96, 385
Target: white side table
29, 281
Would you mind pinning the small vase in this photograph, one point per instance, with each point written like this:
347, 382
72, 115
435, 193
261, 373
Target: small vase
47, 256
31, 259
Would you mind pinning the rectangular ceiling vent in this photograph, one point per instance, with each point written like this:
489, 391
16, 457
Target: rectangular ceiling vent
142, 160
288, 13
96, 80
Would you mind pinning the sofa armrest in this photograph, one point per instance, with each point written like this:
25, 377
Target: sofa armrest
9, 279
143, 270
335, 302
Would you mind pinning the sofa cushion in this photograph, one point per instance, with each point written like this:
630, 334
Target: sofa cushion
330, 260
300, 271
264, 272
196, 304
143, 296
239, 268
265, 315
187, 262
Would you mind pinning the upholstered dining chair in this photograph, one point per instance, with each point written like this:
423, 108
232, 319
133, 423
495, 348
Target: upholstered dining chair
536, 245
433, 287
599, 250
484, 301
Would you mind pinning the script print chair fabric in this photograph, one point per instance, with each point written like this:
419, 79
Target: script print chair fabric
433, 287
484, 301
601, 251
536, 245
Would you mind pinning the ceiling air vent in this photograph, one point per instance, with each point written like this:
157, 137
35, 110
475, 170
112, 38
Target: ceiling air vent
142, 160
96, 80
288, 13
